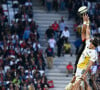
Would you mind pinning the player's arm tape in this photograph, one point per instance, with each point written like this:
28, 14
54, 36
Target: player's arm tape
86, 23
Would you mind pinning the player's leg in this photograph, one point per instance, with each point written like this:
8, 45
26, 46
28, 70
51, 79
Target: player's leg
79, 54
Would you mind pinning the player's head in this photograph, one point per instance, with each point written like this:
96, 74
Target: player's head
94, 43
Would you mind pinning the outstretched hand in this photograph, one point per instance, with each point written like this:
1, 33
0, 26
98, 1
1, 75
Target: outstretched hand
73, 80
85, 18
84, 77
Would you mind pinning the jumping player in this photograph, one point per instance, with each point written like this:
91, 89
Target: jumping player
83, 38
88, 56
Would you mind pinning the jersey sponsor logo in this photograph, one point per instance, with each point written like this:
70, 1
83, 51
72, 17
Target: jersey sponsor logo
84, 64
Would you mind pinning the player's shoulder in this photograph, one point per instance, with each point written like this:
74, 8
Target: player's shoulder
93, 53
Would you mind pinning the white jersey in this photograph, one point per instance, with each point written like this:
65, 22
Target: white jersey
52, 42
87, 55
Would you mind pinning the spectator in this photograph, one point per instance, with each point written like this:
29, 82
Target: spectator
94, 70
65, 34
62, 4
97, 78
67, 48
77, 44
98, 81
26, 34
40, 63
49, 5
43, 2
98, 67
69, 68
33, 26
44, 82
62, 25
94, 31
52, 43
49, 32
15, 36
99, 30
36, 46
15, 4
31, 87
28, 3
46, 87
55, 27
98, 49
50, 53
70, 8
16, 81
55, 5
59, 47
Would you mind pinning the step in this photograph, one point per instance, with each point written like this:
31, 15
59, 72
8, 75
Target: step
61, 82
65, 56
59, 78
38, 11
45, 20
38, 8
59, 85
56, 88
44, 10
49, 15
51, 19
37, 4
54, 71
47, 25
42, 33
50, 22
71, 40
62, 64
70, 26
42, 30
56, 74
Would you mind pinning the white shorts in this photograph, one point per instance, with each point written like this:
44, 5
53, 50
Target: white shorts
79, 72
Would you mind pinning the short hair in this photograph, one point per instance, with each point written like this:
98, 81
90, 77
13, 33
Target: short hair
95, 42
66, 28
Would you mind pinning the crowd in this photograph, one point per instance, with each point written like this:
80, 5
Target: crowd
22, 65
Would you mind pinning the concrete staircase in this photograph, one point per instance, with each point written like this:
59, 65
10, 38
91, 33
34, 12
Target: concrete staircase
44, 19
58, 73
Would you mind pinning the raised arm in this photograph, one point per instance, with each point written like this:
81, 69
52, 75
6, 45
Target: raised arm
88, 32
86, 22
85, 28
83, 32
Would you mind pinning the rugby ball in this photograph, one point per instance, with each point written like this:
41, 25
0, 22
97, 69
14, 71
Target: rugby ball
82, 10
